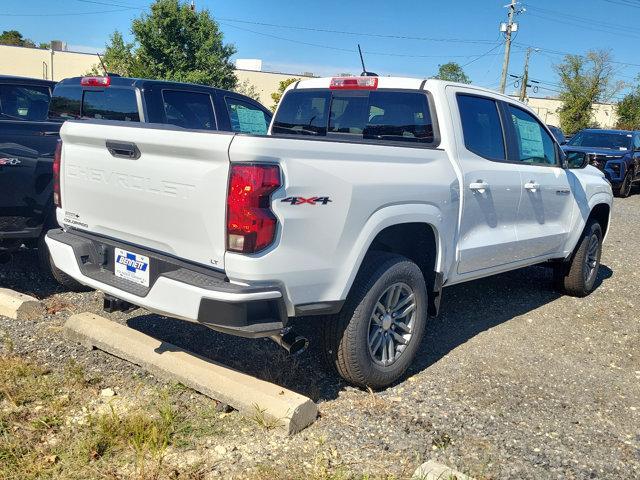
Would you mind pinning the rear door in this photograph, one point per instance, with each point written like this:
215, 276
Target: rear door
546, 209
491, 187
27, 145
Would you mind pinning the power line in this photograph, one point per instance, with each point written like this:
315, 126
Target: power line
70, 14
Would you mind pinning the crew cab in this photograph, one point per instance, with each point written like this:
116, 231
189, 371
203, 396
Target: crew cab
615, 152
366, 198
28, 137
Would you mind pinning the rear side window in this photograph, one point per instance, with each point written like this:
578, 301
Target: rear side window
24, 102
111, 104
481, 126
189, 109
246, 118
385, 116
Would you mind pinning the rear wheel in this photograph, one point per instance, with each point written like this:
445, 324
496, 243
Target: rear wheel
578, 277
48, 267
375, 337
625, 189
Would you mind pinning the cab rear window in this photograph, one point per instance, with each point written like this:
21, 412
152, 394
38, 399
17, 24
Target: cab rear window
381, 115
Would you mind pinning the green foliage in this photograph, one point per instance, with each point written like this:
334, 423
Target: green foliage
452, 72
628, 110
247, 88
585, 80
14, 37
277, 96
173, 42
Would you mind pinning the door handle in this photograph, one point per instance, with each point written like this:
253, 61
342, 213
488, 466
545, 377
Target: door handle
479, 186
123, 149
532, 186
563, 191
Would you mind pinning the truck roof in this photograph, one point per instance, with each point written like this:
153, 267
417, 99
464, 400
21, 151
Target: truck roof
119, 81
26, 80
396, 83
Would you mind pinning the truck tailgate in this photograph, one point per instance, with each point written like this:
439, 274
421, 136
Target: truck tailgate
169, 195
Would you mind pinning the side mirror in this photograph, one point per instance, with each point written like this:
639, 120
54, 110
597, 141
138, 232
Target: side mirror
577, 160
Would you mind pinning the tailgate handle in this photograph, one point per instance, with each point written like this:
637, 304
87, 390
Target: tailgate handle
123, 150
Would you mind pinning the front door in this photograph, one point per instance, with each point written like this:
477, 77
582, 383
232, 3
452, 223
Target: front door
547, 206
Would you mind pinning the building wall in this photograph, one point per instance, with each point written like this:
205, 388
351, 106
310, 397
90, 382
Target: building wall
265, 82
37, 63
547, 109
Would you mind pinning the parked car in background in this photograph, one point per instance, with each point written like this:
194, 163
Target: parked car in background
28, 137
367, 197
615, 152
558, 134
154, 101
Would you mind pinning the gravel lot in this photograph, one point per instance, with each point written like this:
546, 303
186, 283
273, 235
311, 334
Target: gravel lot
513, 380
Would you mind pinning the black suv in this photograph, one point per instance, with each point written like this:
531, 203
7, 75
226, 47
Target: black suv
28, 137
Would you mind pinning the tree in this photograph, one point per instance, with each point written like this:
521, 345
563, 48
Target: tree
452, 72
173, 42
118, 58
14, 37
277, 96
585, 80
628, 110
247, 88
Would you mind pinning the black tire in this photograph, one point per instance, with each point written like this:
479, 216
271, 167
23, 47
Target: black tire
578, 277
625, 189
48, 267
346, 336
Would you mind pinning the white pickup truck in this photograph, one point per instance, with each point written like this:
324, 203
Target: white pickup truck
366, 198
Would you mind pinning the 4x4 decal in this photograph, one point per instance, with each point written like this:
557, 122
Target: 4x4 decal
310, 200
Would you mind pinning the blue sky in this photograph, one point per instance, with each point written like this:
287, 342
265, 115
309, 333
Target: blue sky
465, 31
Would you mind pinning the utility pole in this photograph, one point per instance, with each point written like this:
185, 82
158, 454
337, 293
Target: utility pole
525, 76
507, 29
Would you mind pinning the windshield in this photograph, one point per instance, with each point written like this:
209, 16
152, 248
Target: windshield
614, 141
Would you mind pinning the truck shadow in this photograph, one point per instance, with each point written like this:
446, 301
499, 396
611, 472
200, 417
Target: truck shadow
22, 273
467, 310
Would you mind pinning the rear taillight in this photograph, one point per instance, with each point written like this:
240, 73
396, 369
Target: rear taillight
95, 81
354, 83
57, 164
251, 225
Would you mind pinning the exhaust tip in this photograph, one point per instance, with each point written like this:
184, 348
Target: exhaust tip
293, 343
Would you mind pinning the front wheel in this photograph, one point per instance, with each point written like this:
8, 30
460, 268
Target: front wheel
578, 277
625, 189
372, 342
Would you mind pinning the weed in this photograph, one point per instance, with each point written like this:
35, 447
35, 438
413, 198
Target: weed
264, 420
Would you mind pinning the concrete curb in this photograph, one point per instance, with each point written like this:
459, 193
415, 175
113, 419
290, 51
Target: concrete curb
252, 397
436, 471
19, 306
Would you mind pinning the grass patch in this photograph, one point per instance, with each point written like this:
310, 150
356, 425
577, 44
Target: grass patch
54, 426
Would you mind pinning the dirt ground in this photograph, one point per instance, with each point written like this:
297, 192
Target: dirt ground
512, 381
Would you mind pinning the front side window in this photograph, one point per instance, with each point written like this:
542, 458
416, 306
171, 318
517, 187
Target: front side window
385, 116
246, 118
110, 104
481, 126
535, 145
189, 109
24, 102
